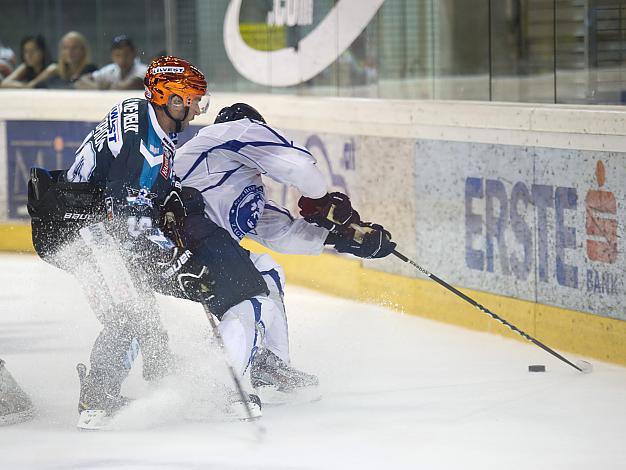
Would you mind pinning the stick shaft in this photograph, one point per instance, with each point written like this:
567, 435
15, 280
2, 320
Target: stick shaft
483, 309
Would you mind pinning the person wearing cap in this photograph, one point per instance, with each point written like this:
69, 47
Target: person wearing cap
126, 72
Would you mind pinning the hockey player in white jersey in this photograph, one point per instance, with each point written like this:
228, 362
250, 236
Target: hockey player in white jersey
226, 162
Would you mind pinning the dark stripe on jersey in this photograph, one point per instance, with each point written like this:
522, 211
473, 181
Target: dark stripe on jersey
227, 175
283, 139
236, 145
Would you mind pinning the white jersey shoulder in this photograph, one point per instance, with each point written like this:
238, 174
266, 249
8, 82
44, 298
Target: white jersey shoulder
226, 163
254, 145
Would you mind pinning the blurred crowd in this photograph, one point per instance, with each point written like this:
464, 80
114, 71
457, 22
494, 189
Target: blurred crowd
73, 69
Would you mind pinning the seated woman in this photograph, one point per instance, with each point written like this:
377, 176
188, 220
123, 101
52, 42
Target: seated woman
74, 61
35, 60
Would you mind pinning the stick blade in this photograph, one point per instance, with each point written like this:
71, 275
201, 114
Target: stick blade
585, 367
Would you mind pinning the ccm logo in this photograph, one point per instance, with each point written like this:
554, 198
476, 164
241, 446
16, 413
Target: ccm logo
75, 216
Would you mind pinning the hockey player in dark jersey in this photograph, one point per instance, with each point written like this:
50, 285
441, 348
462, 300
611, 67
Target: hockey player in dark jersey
126, 162
129, 156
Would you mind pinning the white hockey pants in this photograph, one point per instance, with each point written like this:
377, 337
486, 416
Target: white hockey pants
260, 321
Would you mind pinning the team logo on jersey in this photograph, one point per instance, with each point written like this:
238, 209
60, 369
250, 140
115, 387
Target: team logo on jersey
246, 210
318, 49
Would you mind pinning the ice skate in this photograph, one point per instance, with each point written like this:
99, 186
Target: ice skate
278, 383
99, 400
236, 409
15, 405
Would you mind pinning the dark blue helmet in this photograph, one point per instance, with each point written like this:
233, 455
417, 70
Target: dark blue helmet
238, 111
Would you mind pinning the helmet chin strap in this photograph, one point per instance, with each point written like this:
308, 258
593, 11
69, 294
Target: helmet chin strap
179, 122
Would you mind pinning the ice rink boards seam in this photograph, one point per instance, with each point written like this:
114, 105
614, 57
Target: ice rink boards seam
577, 332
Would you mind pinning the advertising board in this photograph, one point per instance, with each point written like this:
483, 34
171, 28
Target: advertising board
540, 224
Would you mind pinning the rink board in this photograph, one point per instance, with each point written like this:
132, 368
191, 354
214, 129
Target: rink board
522, 205
567, 330
534, 223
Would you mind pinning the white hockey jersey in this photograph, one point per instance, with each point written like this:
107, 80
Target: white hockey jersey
226, 162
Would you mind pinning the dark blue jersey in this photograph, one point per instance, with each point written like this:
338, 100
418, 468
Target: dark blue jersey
128, 154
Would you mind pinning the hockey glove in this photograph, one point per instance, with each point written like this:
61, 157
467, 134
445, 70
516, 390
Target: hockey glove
197, 287
363, 240
173, 203
331, 212
193, 278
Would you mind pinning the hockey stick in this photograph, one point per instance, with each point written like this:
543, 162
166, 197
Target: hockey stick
582, 366
171, 223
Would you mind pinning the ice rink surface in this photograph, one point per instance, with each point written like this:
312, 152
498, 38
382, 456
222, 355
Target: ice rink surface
399, 392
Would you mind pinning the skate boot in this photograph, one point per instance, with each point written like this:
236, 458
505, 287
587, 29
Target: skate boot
99, 399
15, 405
277, 383
237, 408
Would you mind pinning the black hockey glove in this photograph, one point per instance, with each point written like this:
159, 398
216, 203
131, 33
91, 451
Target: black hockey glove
173, 203
193, 278
331, 212
363, 239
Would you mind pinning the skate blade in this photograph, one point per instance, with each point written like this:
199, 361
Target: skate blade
94, 420
237, 412
272, 396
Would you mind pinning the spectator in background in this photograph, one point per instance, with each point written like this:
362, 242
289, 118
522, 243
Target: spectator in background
7, 61
125, 73
35, 59
74, 61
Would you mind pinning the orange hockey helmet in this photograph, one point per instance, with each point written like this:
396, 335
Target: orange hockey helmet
168, 76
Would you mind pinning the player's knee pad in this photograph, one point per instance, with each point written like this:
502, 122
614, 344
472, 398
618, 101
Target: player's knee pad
274, 276
238, 330
272, 272
243, 327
